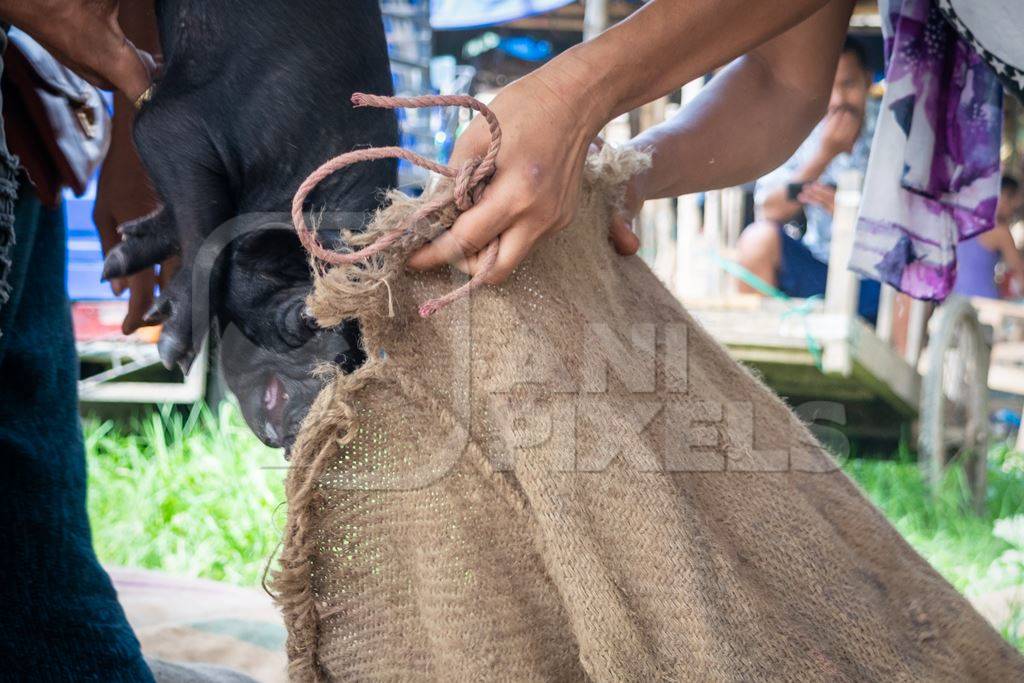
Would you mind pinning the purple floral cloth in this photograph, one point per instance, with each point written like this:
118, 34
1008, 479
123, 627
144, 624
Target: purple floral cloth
933, 177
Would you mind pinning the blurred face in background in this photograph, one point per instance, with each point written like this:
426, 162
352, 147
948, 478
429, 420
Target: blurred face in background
1010, 201
850, 89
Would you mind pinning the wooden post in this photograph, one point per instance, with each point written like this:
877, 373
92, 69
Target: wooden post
886, 309
842, 286
690, 262
916, 325
688, 282
664, 262
655, 230
595, 18
712, 239
732, 215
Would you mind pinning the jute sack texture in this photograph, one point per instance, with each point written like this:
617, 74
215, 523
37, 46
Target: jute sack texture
565, 478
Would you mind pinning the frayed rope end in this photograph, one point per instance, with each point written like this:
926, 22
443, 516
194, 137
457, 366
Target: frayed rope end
429, 308
468, 183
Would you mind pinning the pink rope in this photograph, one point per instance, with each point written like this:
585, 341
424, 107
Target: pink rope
469, 183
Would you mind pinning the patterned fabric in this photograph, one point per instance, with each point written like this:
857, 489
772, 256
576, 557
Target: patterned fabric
933, 178
185, 620
818, 237
993, 29
8, 195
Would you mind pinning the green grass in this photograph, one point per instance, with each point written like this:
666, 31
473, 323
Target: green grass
978, 554
198, 495
961, 545
1013, 629
194, 495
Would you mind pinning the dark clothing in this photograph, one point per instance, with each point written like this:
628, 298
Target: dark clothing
8, 193
59, 615
60, 619
801, 275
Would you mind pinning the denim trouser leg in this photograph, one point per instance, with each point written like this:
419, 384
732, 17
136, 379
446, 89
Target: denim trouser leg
8, 194
59, 615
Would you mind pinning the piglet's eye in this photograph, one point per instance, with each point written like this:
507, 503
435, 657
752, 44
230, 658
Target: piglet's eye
296, 326
308, 318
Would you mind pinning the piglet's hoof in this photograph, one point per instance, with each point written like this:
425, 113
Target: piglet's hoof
145, 242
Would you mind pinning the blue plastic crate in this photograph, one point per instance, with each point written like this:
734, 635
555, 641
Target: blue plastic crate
84, 255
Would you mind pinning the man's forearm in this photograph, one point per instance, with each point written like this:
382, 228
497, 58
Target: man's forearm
662, 46
85, 36
751, 117
728, 135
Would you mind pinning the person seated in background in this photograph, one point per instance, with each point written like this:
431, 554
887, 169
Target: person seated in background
978, 257
806, 184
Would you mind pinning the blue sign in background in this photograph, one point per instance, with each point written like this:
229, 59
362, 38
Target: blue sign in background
458, 14
85, 258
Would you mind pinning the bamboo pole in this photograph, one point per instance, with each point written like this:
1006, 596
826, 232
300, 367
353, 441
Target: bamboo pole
595, 18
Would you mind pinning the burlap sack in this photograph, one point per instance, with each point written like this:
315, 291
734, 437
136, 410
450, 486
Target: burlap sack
566, 478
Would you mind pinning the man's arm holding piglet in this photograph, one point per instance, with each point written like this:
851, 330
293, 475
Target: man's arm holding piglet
124, 192
86, 36
110, 46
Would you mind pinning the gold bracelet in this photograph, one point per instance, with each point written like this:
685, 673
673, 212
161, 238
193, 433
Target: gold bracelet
146, 95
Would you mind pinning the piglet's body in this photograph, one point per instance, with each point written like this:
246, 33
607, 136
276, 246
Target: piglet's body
251, 99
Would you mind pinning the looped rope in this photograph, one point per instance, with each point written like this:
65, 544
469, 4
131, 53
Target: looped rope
802, 309
469, 182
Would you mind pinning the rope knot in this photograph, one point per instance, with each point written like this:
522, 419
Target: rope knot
468, 187
469, 182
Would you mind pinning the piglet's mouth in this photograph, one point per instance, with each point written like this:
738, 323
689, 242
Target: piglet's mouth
275, 400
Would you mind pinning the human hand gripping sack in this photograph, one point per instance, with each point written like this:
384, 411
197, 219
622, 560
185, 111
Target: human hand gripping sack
536, 187
621, 231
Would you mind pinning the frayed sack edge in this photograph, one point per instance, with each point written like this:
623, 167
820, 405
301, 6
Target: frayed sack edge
364, 292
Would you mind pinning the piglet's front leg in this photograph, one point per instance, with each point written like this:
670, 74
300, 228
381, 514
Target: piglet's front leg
186, 173
145, 242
